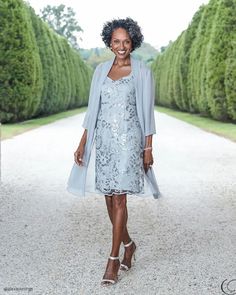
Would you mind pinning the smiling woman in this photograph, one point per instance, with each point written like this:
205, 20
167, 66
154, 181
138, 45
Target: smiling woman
132, 32
122, 36
121, 45
120, 117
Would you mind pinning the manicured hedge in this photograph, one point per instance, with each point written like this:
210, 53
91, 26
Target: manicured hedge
197, 72
40, 73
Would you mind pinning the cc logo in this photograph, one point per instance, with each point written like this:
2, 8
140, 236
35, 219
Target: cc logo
229, 288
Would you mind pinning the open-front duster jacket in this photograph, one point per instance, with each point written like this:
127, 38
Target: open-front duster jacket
79, 180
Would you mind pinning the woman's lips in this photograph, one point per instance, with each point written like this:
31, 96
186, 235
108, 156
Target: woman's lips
121, 52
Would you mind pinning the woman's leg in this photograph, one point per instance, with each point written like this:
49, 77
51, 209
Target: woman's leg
118, 213
125, 238
119, 222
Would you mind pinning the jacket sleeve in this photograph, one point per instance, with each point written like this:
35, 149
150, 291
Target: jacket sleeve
148, 103
91, 95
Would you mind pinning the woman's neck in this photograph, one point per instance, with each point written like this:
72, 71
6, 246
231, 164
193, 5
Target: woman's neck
120, 62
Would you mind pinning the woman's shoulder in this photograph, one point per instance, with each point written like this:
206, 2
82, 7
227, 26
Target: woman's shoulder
101, 66
141, 65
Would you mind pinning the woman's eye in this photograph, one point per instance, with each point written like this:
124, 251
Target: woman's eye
126, 42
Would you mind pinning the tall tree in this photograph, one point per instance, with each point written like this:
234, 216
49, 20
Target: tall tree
62, 20
20, 66
220, 44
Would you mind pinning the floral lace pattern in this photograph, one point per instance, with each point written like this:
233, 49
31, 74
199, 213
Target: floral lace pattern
119, 155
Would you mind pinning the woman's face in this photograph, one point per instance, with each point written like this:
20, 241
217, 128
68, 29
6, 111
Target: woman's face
121, 44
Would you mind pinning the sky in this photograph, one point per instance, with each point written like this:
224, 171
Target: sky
160, 21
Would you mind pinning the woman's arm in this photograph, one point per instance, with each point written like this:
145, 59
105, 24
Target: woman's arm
93, 89
149, 102
148, 141
149, 118
83, 138
147, 153
78, 154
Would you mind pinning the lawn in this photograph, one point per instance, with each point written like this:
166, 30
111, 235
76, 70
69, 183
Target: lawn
227, 130
10, 130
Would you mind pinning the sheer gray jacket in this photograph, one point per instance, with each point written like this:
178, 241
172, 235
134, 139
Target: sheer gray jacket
79, 182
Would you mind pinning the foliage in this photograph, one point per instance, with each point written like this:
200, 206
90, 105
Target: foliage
63, 22
40, 73
197, 72
20, 65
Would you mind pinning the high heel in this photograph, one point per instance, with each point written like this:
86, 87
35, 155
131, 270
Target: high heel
107, 282
124, 266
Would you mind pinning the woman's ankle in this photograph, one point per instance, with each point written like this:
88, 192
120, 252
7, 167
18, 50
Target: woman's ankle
115, 254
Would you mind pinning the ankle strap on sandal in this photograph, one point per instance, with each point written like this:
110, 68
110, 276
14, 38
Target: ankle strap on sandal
127, 245
114, 258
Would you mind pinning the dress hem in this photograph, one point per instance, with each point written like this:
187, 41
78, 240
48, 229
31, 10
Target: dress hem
118, 193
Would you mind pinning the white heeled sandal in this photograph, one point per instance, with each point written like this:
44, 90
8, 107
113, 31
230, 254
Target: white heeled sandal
107, 282
123, 266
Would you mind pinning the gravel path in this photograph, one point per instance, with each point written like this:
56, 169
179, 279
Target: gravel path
56, 243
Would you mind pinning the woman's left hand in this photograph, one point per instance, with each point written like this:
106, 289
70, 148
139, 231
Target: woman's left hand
147, 159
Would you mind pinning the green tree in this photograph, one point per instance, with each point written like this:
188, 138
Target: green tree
49, 71
230, 78
189, 62
20, 66
197, 59
219, 45
177, 75
197, 72
63, 21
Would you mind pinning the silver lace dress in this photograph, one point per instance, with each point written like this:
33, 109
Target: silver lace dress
119, 155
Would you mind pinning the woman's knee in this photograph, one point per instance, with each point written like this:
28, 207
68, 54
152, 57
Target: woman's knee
119, 202
108, 201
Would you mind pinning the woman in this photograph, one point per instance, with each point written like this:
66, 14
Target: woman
120, 117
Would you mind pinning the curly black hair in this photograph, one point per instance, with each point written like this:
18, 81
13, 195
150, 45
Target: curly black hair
129, 25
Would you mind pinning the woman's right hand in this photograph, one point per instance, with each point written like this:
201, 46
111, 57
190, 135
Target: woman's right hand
78, 155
